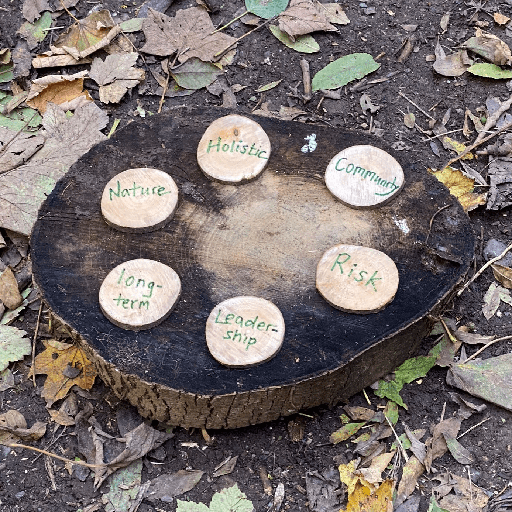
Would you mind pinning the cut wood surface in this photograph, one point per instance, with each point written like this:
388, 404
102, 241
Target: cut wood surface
364, 176
139, 294
244, 331
139, 200
262, 239
356, 279
233, 149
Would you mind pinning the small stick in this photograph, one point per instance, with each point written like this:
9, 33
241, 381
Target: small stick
474, 426
432, 220
478, 143
366, 397
492, 342
306, 80
442, 413
412, 103
404, 453
491, 122
441, 135
229, 23
488, 264
55, 456
34, 345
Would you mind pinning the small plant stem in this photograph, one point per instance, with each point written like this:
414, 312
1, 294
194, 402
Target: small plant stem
492, 342
230, 22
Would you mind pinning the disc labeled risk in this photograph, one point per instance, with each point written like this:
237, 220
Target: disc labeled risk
139, 294
233, 149
244, 331
364, 176
138, 200
357, 279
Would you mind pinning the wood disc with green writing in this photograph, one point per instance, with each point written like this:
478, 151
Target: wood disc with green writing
244, 331
233, 149
356, 279
139, 294
263, 239
140, 199
364, 176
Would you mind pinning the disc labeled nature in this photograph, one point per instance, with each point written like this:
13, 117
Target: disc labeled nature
233, 149
357, 279
141, 199
244, 331
364, 176
139, 294
262, 239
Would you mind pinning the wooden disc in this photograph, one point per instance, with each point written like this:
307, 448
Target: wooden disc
244, 331
364, 176
141, 199
356, 279
139, 294
233, 149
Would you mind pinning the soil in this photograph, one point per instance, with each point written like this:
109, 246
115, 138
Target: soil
26, 485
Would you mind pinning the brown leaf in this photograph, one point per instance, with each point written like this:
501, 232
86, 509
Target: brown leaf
225, 467
412, 470
417, 447
455, 64
169, 485
303, 17
409, 120
436, 445
335, 14
33, 8
57, 57
489, 47
58, 89
444, 22
115, 75
88, 35
13, 426
373, 474
500, 19
503, 275
189, 34
471, 338
359, 413
9, 293
54, 360
17, 148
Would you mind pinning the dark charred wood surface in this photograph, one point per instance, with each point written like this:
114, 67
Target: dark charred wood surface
262, 238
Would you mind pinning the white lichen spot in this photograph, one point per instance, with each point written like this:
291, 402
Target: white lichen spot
311, 144
402, 225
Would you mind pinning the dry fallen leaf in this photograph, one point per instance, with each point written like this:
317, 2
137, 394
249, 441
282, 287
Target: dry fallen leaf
503, 275
335, 14
303, 17
444, 22
373, 474
166, 486
410, 120
115, 75
436, 445
88, 35
57, 57
489, 47
455, 64
64, 90
9, 293
33, 8
500, 19
364, 500
189, 34
461, 187
492, 299
17, 148
13, 426
58, 360
14, 346
412, 470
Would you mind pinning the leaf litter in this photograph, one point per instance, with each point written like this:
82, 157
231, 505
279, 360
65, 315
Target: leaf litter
14, 345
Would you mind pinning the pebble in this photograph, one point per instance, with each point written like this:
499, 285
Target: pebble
494, 248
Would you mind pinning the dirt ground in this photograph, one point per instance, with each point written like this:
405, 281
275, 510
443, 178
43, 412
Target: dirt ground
25, 483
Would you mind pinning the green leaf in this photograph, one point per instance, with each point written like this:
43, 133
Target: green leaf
490, 71
124, 487
269, 86
26, 119
13, 345
266, 8
231, 499
133, 25
345, 432
391, 390
6, 73
434, 507
303, 44
460, 454
391, 412
36, 32
195, 74
344, 70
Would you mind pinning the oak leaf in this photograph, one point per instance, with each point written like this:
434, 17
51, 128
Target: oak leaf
88, 35
189, 33
115, 75
55, 362
303, 17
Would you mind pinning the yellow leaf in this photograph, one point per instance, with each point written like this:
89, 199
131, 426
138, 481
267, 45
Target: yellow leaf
377, 466
59, 360
350, 479
500, 19
461, 187
458, 147
363, 500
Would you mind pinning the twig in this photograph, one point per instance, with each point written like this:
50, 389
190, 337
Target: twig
412, 103
441, 135
404, 453
474, 426
229, 23
442, 413
488, 264
67, 10
55, 456
492, 120
165, 88
306, 79
34, 345
432, 220
492, 342
478, 143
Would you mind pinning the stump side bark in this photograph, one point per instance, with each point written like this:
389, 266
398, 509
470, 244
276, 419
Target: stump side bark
263, 239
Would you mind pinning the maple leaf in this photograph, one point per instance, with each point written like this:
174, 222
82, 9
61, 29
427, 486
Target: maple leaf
65, 365
88, 35
304, 17
189, 33
115, 75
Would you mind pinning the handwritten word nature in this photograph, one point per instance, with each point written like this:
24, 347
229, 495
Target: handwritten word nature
235, 147
137, 191
372, 176
234, 335
138, 284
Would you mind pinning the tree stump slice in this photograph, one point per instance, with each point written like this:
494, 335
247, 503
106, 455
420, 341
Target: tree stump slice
262, 239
